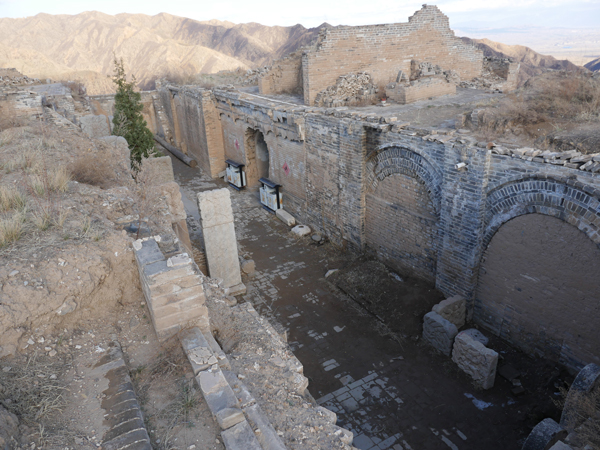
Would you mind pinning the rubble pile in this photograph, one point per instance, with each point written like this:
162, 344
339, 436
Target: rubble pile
488, 79
12, 77
427, 69
350, 89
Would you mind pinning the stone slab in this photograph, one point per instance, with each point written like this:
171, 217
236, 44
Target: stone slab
475, 359
477, 335
586, 381
285, 217
453, 309
148, 253
439, 332
240, 437
219, 237
544, 435
220, 398
267, 437
239, 289
215, 208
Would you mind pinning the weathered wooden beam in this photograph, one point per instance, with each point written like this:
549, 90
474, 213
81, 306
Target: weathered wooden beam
177, 153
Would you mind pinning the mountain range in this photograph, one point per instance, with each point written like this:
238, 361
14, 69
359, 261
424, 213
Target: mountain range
82, 47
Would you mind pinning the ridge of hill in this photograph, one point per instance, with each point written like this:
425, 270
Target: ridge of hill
594, 65
57, 46
82, 47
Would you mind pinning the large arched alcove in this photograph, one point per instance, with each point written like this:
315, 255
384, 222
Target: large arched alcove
401, 211
539, 288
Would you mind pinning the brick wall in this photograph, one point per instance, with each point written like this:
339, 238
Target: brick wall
284, 76
401, 224
384, 50
377, 186
421, 89
538, 288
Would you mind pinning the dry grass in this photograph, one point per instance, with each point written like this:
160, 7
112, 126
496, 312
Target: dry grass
35, 389
553, 98
94, 170
585, 418
11, 198
11, 229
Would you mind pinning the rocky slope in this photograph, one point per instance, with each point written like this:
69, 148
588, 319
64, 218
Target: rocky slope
594, 65
81, 47
532, 63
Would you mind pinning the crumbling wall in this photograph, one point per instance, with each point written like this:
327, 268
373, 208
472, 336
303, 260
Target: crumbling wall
384, 50
283, 77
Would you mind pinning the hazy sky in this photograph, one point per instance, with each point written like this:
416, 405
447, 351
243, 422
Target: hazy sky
310, 13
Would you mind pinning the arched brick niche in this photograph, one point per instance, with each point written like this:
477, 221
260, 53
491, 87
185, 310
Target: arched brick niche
539, 283
402, 206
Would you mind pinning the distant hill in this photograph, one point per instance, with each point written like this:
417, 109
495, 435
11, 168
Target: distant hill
81, 47
594, 65
532, 63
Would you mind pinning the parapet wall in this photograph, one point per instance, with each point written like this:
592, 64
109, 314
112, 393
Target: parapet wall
384, 50
284, 76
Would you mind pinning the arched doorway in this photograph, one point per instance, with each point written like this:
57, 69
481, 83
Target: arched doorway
262, 156
539, 288
257, 157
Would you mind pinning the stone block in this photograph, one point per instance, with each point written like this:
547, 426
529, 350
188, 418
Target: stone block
159, 170
148, 253
241, 391
439, 332
285, 217
95, 126
248, 266
215, 208
172, 195
453, 309
544, 435
219, 237
301, 230
561, 446
475, 359
267, 437
240, 437
477, 335
217, 351
220, 398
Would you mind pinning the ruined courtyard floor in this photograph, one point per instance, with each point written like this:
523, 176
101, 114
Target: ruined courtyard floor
392, 393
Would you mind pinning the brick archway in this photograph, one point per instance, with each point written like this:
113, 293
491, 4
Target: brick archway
566, 199
402, 208
537, 274
392, 159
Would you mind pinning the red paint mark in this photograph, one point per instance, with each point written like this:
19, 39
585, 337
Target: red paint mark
286, 168
237, 144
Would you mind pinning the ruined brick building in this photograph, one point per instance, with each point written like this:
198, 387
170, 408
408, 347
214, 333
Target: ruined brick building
515, 232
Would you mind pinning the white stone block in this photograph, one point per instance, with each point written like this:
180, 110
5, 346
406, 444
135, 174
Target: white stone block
285, 217
301, 230
439, 332
475, 359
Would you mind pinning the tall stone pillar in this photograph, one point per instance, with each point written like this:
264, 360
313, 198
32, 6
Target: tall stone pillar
216, 220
